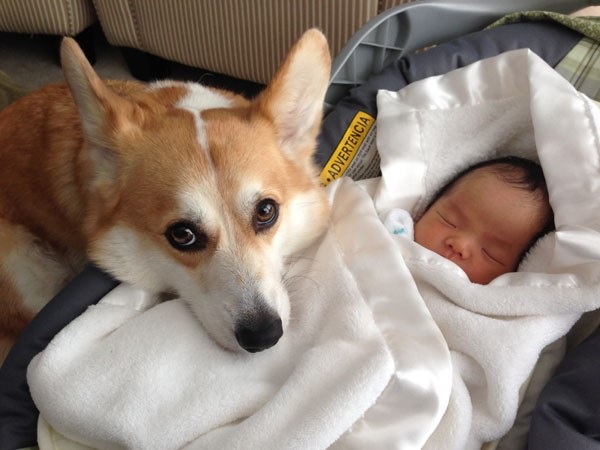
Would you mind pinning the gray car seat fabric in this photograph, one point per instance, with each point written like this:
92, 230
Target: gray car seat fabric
550, 40
567, 414
18, 414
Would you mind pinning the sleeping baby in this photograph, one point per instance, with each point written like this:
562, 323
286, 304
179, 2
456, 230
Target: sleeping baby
485, 219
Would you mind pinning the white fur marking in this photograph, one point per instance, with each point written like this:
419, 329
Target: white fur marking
37, 275
135, 260
198, 99
199, 204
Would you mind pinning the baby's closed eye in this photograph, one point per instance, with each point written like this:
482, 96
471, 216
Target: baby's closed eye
494, 258
445, 219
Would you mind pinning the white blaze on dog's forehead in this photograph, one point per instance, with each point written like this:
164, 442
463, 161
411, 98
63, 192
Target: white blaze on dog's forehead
201, 97
198, 98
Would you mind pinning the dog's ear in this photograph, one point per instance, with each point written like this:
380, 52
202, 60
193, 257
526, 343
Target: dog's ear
102, 111
96, 102
293, 100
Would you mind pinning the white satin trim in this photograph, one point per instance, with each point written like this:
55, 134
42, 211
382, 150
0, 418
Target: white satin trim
417, 395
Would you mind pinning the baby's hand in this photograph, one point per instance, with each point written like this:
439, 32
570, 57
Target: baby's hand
399, 222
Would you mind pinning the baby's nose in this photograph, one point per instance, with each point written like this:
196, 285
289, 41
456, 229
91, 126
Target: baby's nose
460, 245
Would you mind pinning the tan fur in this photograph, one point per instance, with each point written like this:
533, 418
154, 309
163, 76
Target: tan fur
100, 170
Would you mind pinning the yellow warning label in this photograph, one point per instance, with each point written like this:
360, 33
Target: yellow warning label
349, 146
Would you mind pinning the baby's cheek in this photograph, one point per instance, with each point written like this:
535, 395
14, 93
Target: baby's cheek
421, 234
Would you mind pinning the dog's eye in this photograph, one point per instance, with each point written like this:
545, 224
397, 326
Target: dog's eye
184, 236
265, 214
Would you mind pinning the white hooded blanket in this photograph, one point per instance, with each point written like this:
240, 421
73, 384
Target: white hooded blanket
363, 364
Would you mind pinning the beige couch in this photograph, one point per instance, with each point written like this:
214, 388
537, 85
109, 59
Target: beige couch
241, 38
244, 39
59, 17
51, 17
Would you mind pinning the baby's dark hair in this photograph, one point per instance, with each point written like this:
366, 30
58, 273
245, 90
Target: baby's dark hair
519, 172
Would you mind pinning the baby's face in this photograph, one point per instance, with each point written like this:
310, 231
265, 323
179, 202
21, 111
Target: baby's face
482, 224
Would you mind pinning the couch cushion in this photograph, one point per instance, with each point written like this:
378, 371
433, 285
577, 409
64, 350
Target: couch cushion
61, 17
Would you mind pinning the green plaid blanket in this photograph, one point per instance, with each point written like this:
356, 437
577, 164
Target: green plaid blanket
588, 26
581, 65
582, 68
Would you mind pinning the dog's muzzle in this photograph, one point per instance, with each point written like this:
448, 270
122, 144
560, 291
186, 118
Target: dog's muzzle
259, 334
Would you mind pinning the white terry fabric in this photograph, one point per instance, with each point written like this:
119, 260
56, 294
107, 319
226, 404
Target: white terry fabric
428, 132
123, 376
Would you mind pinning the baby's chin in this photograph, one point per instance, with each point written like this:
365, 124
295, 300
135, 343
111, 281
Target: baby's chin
485, 278
473, 276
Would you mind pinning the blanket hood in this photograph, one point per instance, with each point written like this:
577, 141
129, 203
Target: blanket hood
513, 104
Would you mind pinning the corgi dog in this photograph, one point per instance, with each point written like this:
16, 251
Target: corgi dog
169, 186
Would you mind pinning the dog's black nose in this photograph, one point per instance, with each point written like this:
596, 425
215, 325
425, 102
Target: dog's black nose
259, 335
